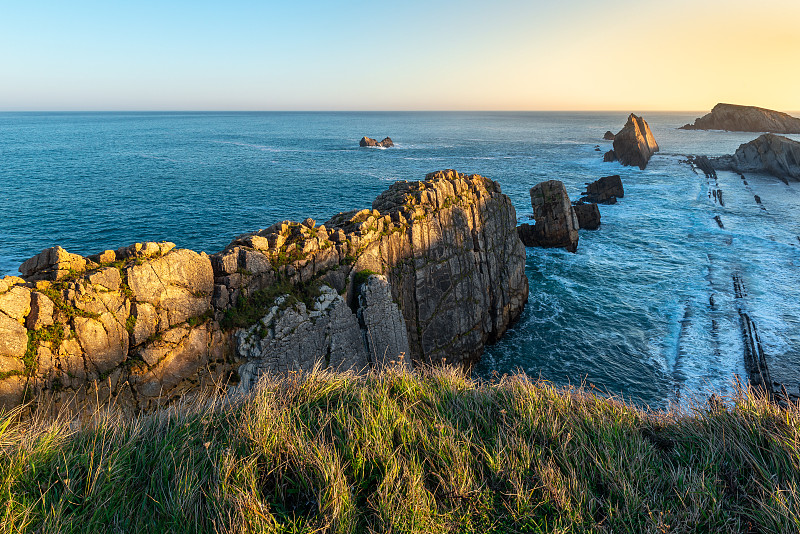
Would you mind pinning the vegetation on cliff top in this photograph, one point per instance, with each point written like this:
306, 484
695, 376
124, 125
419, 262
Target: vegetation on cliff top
432, 451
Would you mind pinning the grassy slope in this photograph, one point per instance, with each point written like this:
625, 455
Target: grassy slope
399, 452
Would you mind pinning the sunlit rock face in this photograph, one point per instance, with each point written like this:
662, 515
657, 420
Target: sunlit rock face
746, 119
634, 145
430, 274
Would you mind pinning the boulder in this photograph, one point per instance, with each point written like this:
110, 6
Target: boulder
769, 153
609, 157
634, 145
588, 215
13, 338
556, 222
746, 119
52, 264
179, 284
386, 142
608, 136
606, 190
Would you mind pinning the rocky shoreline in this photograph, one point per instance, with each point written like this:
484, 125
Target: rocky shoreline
430, 274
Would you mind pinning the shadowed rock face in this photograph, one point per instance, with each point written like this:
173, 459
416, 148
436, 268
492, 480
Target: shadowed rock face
431, 273
606, 190
556, 222
746, 119
634, 145
588, 215
769, 153
609, 135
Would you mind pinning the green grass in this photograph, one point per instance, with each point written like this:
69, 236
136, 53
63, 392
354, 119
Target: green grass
431, 451
249, 309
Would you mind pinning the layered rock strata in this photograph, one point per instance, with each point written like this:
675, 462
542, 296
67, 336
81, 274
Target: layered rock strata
433, 272
746, 119
769, 153
634, 145
556, 222
369, 142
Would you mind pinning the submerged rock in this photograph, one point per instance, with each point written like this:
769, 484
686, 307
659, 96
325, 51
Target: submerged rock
769, 153
736, 118
556, 222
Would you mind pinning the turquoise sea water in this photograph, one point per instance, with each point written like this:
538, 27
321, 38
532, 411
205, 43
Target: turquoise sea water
645, 309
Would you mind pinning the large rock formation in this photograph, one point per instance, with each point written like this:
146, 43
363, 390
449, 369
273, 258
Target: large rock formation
606, 190
745, 119
769, 153
370, 142
634, 145
556, 222
433, 272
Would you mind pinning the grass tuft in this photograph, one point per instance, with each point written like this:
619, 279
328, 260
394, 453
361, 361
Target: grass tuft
396, 451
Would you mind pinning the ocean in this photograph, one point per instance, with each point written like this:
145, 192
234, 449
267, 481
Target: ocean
645, 310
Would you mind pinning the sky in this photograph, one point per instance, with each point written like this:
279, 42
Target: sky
400, 55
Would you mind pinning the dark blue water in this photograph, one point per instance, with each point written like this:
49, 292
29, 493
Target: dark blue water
630, 312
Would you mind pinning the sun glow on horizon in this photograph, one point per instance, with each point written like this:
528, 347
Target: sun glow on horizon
578, 55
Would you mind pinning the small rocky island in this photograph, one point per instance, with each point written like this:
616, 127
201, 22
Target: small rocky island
370, 142
634, 145
736, 118
430, 274
769, 153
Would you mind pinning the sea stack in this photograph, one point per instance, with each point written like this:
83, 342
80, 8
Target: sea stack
556, 222
606, 190
769, 153
634, 145
370, 142
746, 119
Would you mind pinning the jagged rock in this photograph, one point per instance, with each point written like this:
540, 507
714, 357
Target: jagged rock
588, 215
369, 142
41, 313
606, 190
609, 135
290, 337
146, 330
556, 222
384, 329
180, 284
52, 264
609, 157
769, 153
746, 119
634, 145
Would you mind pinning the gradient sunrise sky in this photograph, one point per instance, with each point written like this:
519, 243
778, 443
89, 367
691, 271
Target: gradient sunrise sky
399, 55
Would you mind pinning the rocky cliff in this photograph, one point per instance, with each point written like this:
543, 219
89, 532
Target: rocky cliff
634, 145
433, 272
745, 119
773, 154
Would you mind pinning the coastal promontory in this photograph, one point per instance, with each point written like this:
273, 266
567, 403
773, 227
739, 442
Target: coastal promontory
737, 118
431, 273
769, 153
